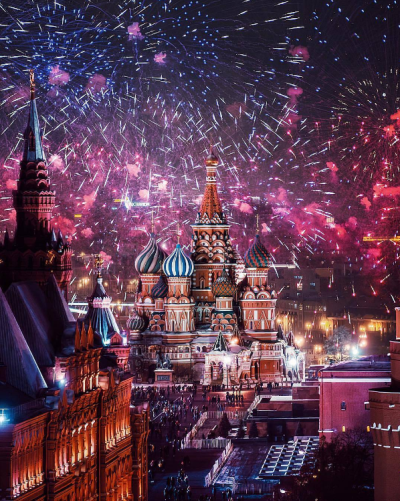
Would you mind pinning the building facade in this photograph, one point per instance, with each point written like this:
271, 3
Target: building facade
187, 301
344, 392
67, 429
384, 403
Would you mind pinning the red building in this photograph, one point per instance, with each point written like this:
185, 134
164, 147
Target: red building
344, 393
67, 431
385, 426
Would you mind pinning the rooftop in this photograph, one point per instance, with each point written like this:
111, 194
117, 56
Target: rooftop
368, 364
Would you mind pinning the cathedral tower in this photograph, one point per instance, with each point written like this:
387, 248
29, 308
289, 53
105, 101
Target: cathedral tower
257, 300
211, 246
179, 306
36, 251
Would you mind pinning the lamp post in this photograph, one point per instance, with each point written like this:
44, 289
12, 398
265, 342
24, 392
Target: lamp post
226, 362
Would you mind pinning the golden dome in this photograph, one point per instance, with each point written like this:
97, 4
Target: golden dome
212, 160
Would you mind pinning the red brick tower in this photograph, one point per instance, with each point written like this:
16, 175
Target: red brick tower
385, 427
36, 251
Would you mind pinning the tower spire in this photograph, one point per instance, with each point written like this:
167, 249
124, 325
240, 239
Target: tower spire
211, 207
33, 148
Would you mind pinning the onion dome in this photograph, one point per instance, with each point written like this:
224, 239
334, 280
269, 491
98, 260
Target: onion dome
257, 255
223, 286
160, 289
212, 160
136, 323
151, 258
178, 264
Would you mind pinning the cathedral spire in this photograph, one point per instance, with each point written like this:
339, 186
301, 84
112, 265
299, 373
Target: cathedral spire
211, 207
33, 148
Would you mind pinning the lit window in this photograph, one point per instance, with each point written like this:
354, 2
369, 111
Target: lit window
368, 429
343, 429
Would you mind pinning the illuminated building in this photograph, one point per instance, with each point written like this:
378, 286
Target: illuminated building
187, 302
384, 403
344, 392
67, 431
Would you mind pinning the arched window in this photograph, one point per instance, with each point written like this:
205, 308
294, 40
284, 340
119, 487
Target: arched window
202, 283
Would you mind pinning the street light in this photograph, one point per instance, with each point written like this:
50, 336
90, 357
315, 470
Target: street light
227, 363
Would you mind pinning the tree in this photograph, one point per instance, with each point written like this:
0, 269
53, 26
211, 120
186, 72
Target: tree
339, 343
224, 426
253, 432
299, 430
240, 433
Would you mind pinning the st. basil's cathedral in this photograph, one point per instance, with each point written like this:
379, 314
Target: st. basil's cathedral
211, 314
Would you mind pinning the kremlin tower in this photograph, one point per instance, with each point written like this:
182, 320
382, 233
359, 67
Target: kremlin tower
36, 252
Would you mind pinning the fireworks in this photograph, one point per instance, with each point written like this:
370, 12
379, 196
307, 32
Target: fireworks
131, 95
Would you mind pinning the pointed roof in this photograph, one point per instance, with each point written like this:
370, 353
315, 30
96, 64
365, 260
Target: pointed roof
33, 148
29, 305
99, 315
22, 370
220, 343
211, 205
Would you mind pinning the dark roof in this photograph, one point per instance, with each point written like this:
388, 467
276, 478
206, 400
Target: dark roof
367, 364
101, 318
220, 343
28, 304
44, 319
22, 370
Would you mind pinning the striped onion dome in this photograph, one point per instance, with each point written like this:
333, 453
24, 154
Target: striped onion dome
177, 264
136, 323
257, 255
160, 289
151, 258
223, 286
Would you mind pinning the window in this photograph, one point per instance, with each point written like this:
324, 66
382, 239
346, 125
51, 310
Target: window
343, 406
343, 428
312, 286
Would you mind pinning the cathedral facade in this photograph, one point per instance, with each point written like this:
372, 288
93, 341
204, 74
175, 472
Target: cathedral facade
186, 303
67, 429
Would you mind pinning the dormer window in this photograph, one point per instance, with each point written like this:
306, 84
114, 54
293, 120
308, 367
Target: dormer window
31, 141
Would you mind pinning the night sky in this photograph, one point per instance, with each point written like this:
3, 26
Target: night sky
299, 99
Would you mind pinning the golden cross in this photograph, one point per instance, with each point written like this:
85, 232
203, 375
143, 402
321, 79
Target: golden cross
178, 232
152, 221
258, 223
